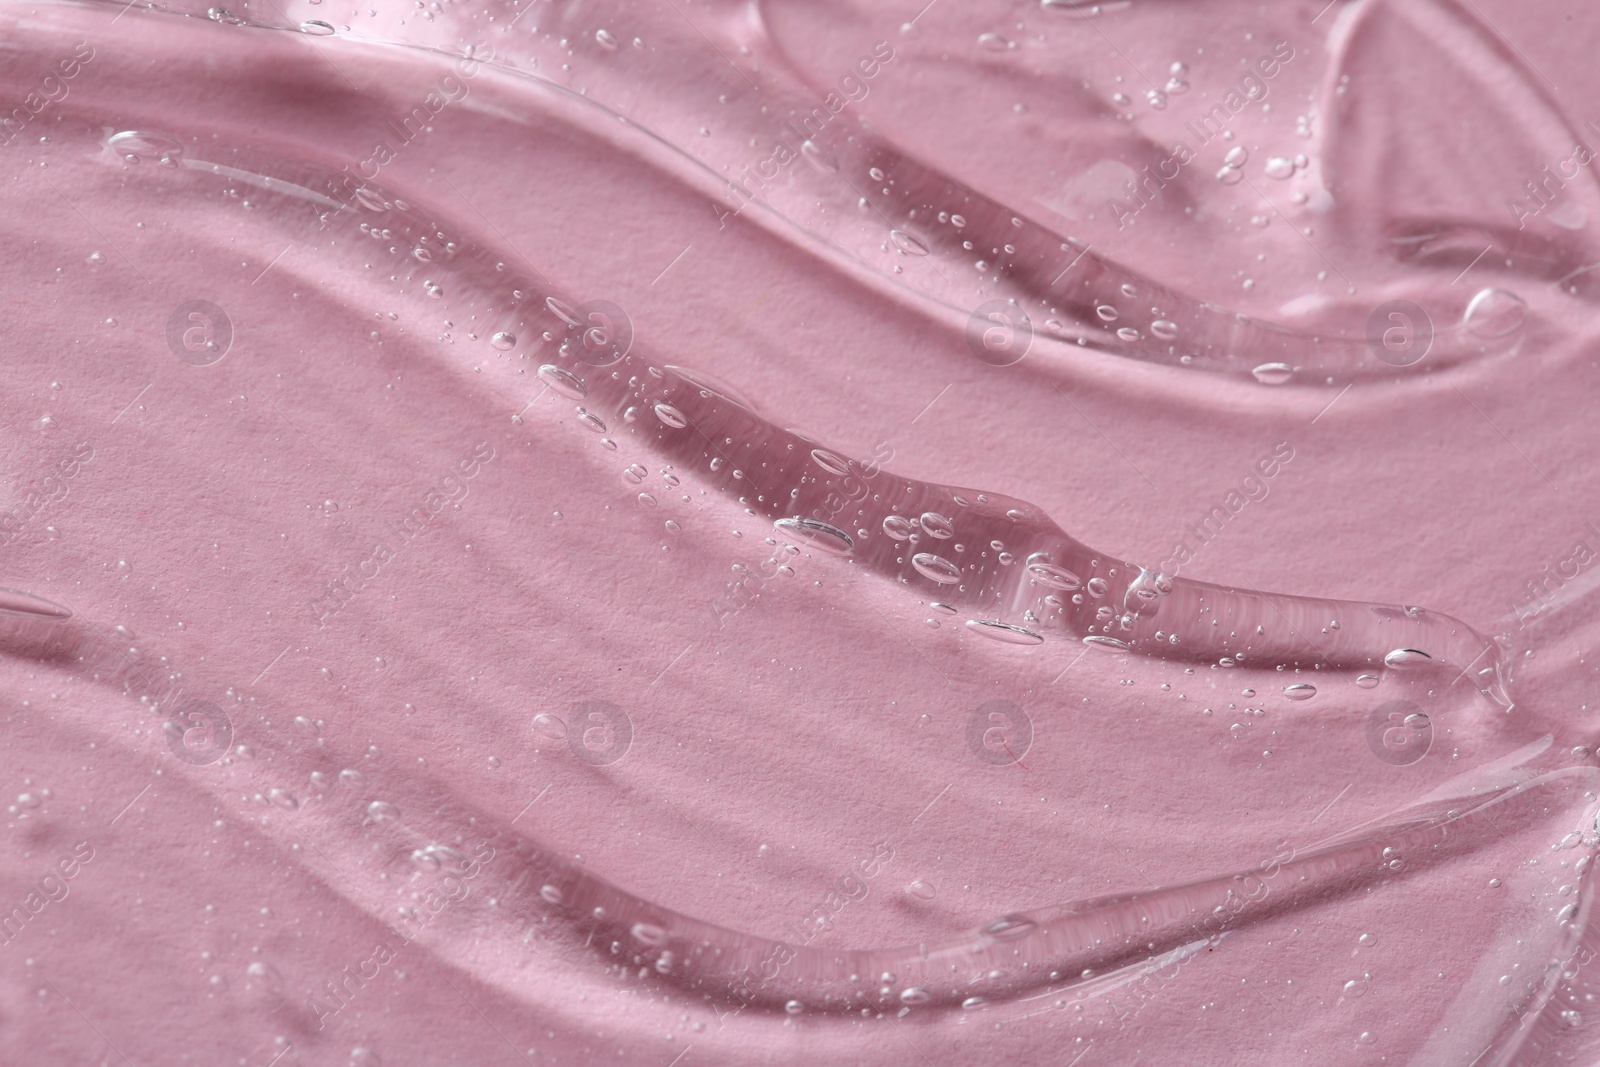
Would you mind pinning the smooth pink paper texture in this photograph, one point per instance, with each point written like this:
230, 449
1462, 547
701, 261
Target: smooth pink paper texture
372, 697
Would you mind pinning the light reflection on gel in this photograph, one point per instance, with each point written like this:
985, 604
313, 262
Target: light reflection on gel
459, 618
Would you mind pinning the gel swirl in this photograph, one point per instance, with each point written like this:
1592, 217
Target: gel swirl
1026, 590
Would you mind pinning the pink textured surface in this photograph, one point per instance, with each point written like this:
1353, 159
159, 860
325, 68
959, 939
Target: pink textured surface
777, 744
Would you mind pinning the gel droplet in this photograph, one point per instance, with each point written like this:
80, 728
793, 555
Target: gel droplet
1280, 168
897, 526
382, 811
936, 568
1109, 644
814, 533
563, 381
907, 243
1008, 927
1273, 373
830, 462
648, 934
819, 157
1495, 313
1048, 574
1004, 632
